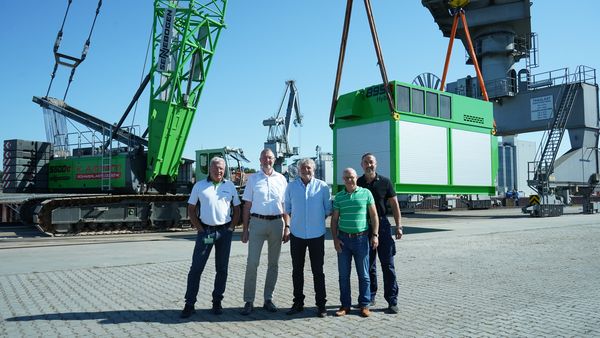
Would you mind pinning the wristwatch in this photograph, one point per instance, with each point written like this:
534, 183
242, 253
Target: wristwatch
287, 225
375, 235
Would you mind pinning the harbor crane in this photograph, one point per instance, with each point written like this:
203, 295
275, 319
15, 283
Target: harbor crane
279, 127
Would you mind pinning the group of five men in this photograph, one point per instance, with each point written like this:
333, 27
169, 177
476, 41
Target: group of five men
277, 212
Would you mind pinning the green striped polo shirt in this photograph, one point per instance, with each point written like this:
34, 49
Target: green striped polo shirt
353, 209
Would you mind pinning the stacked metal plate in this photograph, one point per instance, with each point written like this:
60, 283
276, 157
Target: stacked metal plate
25, 166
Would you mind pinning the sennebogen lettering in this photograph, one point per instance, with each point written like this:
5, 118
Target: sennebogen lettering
165, 44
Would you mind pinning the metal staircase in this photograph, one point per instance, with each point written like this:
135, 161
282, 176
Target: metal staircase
545, 164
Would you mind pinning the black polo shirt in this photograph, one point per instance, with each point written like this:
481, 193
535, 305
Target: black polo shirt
381, 188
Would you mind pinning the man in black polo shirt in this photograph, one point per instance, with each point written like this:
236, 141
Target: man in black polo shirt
382, 189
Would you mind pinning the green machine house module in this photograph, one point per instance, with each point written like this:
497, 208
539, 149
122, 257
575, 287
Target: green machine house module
86, 173
434, 143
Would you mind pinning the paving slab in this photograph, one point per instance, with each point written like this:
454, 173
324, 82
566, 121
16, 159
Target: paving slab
461, 273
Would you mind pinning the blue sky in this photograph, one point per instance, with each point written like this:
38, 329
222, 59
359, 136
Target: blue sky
266, 43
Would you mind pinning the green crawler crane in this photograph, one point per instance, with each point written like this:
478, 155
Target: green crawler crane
132, 186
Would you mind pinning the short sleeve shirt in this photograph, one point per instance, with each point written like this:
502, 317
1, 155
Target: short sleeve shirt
381, 188
267, 193
353, 208
215, 201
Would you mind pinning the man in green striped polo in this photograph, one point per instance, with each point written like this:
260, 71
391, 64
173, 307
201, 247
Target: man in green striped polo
350, 232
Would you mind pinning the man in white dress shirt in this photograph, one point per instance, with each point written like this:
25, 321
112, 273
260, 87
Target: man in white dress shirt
263, 220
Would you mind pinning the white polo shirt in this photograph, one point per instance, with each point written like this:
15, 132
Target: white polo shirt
215, 200
267, 193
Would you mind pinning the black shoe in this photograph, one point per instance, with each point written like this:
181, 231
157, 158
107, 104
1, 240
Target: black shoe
248, 308
187, 311
296, 308
321, 312
217, 309
269, 306
393, 309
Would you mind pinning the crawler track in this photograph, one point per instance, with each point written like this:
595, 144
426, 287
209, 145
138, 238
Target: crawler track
108, 214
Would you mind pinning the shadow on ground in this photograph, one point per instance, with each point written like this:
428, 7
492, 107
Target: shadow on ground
171, 316
449, 215
18, 230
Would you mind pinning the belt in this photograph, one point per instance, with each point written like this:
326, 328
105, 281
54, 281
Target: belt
267, 217
354, 235
215, 227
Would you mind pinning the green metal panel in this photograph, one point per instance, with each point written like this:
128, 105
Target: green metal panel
395, 149
495, 160
450, 158
366, 106
85, 173
185, 35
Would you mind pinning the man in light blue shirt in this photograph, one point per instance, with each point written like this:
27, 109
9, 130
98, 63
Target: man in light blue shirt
307, 202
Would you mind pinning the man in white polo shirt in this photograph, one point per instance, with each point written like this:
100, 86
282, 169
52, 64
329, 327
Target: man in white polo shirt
209, 211
263, 220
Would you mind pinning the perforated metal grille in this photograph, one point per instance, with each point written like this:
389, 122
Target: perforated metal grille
473, 119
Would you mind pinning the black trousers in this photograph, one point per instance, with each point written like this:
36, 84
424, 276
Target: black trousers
386, 250
316, 254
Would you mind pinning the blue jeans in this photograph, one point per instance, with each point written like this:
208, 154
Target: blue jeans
357, 247
386, 250
221, 238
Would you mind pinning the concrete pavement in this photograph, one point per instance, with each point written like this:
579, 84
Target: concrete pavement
461, 273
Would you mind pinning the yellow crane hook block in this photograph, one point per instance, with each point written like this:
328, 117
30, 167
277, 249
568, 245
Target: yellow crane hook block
458, 3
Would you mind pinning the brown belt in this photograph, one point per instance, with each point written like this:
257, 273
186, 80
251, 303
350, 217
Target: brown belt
354, 235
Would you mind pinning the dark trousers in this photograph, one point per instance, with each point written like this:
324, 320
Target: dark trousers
221, 238
316, 254
386, 252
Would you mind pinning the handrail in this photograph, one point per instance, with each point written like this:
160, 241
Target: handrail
91, 139
582, 74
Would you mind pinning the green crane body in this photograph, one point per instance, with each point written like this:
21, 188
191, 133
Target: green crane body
184, 38
184, 41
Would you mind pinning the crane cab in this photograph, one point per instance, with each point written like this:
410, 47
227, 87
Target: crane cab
234, 162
